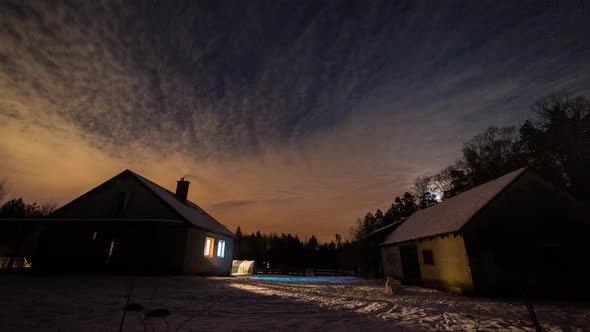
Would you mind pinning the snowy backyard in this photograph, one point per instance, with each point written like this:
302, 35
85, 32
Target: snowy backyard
82, 303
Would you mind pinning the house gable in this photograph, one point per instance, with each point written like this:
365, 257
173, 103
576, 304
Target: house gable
107, 201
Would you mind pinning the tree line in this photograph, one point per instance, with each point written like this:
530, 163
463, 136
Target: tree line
555, 142
17, 208
289, 250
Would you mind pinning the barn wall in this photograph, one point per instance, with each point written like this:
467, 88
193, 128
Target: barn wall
451, 266
101, 203
392, 266
529, 239
196, 262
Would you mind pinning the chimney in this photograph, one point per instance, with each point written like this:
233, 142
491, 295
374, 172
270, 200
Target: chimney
182, 189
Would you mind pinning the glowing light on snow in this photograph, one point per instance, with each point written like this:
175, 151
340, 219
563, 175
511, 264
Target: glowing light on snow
331, 280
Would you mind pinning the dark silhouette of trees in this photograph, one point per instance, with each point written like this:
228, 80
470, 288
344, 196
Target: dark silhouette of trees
289, 251
425, 192
17, 208
556, 144
401, 208
491, 154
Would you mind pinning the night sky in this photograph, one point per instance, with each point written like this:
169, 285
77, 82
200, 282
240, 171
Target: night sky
287, 116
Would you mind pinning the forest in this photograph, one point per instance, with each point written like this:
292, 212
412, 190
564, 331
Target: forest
554, 142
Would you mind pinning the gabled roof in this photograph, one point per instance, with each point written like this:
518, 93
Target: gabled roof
452, 214
189, 210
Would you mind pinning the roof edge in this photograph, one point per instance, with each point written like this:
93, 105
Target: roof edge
522, 170
84, 195
183, 218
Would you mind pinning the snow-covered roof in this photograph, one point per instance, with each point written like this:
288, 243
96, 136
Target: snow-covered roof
452, 214
187, 209
382, 229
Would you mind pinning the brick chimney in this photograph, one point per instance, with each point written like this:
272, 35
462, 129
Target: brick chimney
182, 189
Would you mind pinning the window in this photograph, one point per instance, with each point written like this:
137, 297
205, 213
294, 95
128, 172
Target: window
221, 248
111, 248
121, 202
428, 257
209, 244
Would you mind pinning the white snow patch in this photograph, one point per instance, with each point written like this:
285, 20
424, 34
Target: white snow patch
220, 304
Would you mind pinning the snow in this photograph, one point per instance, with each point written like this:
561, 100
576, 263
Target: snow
94, 303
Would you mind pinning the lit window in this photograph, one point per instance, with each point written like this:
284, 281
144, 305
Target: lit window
209, 244
111, 248
221, 248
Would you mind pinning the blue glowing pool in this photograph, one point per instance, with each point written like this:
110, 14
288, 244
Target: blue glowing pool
312, 280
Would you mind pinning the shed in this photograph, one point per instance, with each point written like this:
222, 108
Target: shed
513, 235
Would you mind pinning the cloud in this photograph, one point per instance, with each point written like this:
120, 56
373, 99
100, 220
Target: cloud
300, 115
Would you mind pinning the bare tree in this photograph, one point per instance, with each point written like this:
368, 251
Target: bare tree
48, 207
4, 187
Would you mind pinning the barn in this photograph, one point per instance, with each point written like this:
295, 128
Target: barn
128, 224
514, 235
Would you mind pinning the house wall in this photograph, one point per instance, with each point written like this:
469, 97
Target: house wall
451, 266
392, 266
196, 262
138, 247
531, 238
101, 203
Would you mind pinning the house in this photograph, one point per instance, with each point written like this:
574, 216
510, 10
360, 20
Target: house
366, 254
513, 235
128, 224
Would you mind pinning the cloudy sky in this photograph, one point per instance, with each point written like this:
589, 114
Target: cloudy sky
287, 116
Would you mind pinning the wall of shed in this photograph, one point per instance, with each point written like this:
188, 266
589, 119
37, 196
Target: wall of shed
392, 266
196, 262
100, 203
450, 271
531, 239
451, 266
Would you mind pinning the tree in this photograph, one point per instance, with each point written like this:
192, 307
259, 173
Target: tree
17, 208
312, 243
401, 208
48, 208
379, 219
425, 191
14, 208
452, 180
4, 187
358, 231
491, 154
427, 200
557, 144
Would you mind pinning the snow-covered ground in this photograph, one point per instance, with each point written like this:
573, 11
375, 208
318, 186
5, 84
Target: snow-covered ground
94, 303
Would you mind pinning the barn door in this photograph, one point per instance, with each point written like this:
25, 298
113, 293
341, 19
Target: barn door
410, 263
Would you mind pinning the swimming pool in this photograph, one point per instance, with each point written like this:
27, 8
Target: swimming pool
309, 280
